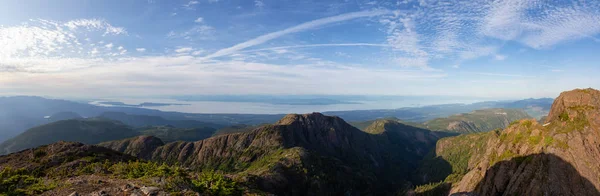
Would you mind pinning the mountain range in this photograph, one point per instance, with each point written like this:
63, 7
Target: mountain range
504, 152
20, 113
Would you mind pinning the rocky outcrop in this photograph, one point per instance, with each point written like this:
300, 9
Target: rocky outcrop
559, 157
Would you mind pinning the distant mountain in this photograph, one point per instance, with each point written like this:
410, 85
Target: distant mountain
363, 125
477, 121
146, 120
536, 108
64, 116
301, 154
89, 131
557, 157
145, 104
533, 107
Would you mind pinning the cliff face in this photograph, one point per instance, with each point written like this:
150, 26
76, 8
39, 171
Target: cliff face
302, 154
559, 157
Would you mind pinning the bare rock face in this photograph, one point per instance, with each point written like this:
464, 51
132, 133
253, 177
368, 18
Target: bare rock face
559, 157
571, 104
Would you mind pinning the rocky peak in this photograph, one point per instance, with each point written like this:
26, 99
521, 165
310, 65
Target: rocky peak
312, 120
576, 103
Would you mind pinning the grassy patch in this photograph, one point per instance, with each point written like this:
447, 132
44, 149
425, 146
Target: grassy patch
20, 182
548, 141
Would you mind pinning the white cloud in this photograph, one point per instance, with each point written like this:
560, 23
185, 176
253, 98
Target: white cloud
44, 38
342, 54
500, 57
109, 46
190, 4
141, 49
259, 3
179, 75
199, 20
95, 24
184, 50
555, 23
198, 32
298, 28
94, 51
197, 52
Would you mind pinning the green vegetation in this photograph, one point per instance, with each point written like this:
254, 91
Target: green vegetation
506, 155
563, 116
177, 178
534, 140
214, 183
20, 182
453, 161
548, 141
433, 189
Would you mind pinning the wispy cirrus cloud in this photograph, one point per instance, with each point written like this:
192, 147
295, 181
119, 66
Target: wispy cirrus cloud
197, 32
298, 28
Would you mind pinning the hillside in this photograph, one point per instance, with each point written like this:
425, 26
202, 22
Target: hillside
89, 131
147, 120
477, 121
170, 134
302, 154
70, 168
236, 129
64, 116
362, 125
558, 157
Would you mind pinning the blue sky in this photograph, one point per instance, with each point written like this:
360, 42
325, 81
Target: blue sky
503, 49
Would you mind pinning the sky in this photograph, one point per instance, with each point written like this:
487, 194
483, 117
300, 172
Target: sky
146, 48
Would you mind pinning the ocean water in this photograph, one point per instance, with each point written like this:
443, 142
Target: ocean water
267, 108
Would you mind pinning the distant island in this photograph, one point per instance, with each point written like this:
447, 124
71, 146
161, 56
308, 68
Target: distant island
145, 104
275, 100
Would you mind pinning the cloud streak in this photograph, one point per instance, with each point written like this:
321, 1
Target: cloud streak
298, 28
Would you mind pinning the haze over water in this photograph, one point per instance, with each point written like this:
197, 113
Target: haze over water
268, 108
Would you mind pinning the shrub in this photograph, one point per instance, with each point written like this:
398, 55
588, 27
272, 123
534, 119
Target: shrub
213, 183
563, 116
145, 169
19, 182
